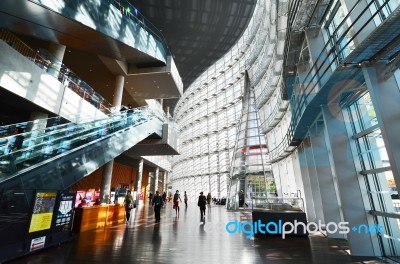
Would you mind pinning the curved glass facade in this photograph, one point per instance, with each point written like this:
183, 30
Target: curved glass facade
209, 111
325, 77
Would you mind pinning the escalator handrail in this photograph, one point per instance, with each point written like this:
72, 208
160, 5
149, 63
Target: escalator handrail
88, 130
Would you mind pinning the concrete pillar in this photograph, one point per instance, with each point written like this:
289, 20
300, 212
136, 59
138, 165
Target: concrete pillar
148, 187
327, 184
349, 185
106, 182
108, 167
313, 177
39, 123
138, 185
165, 181
39, 120
38, 115
118, 91
58, 51
310, 209
156, 175
298, 179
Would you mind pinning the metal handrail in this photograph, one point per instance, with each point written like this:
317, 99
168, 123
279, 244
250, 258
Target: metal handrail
35, 148
332, 51
70, 80
299, 103
279, 104
130, 11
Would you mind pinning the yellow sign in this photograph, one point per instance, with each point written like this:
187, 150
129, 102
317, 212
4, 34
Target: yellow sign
42, 211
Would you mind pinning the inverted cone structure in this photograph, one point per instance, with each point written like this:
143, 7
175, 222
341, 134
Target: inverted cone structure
250, 174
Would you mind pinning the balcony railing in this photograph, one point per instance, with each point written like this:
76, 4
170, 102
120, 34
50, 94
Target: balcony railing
327, 57
47, 62
316, 74
133, 13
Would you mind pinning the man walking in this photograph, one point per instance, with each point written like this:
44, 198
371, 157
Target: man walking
157, 203
202, 204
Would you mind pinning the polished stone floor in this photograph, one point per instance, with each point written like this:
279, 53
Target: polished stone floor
184, 239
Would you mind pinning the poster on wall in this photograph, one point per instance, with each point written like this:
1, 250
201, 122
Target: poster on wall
89, 195
96, 195
42, 211
79, 196
37, 243
64, 214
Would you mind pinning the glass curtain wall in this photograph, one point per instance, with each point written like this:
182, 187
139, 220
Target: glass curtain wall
209, 112
373, 164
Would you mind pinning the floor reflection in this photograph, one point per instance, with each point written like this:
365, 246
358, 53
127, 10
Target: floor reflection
184, 239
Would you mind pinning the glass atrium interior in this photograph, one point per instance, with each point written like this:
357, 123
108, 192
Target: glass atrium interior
304, 105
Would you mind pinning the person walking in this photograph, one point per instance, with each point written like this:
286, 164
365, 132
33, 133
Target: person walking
164, 197
157, 203
202, 204
241, 198
128, 203
16, 141
209, 201
177, 198
185, 198
129, 115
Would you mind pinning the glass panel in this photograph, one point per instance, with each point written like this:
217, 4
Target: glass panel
25, 149
380, 186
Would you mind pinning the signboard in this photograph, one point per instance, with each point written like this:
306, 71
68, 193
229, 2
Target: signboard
64, 214
89, 196
79, 196
42, 211
96, 195
37, 243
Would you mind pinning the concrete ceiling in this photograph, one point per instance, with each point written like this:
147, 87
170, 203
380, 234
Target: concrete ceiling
197, 33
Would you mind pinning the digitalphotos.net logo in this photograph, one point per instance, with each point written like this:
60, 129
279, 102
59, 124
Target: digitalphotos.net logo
297, 228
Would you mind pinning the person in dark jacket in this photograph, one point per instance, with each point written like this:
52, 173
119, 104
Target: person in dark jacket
128, 203
17, 140
157, 203
202, 204
185, 198
241, 198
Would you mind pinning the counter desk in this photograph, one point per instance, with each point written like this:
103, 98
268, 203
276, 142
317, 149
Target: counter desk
93, 217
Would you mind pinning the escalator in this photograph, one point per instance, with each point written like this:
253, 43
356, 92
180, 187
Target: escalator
42, 158
57, 156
